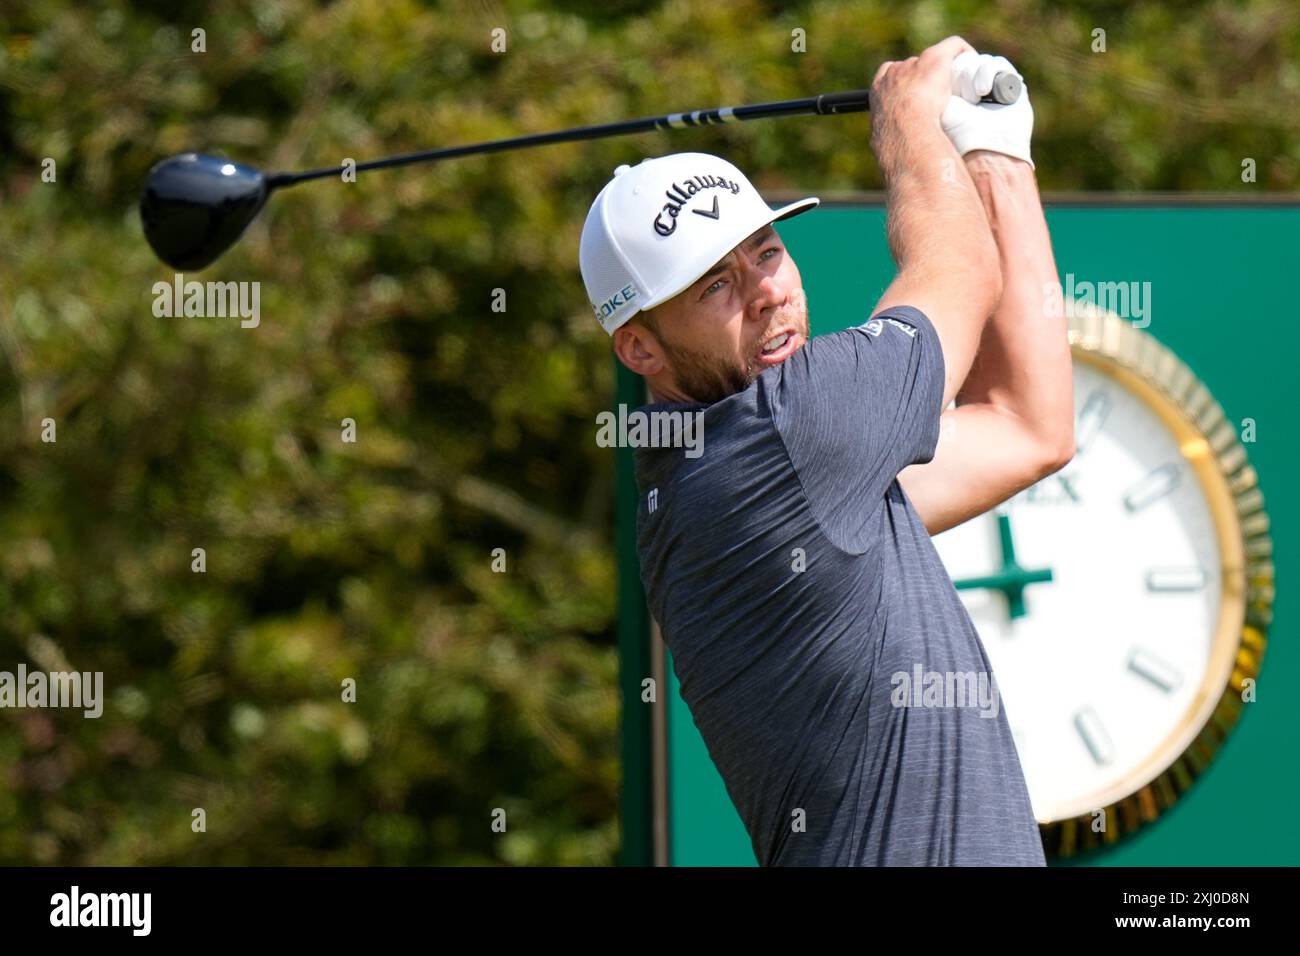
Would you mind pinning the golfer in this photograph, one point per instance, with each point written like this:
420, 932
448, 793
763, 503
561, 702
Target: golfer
790, 565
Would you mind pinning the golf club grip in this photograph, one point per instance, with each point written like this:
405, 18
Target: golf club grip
850, 101
1006, 90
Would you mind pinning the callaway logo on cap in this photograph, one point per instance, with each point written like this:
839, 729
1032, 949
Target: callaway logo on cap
658, 226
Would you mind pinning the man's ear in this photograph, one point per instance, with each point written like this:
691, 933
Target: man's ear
638, 349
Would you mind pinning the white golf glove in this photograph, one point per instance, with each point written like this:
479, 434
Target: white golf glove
971, 124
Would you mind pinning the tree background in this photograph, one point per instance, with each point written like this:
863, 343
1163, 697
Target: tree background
475, 429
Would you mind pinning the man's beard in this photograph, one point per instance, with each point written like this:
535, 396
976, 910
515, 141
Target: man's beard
708, 379
703, 377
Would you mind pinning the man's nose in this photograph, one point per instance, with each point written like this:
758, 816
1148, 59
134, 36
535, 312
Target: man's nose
766, 293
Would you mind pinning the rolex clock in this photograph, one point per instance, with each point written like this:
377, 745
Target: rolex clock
1124, 601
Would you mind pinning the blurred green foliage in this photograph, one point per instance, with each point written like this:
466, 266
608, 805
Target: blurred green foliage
475, 429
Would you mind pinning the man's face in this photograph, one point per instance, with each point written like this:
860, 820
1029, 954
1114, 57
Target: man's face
714, 338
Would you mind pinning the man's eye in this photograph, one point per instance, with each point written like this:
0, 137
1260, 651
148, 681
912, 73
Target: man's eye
762, 256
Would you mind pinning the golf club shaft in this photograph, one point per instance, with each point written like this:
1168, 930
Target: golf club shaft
1006, 89
850, 101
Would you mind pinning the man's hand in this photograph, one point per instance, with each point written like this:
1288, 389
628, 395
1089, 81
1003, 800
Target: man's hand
995, 127
911, 92
921, 84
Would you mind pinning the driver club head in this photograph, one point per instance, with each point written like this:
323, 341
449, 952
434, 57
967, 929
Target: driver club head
194, 207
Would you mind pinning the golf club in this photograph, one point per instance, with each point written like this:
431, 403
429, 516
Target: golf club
196, 206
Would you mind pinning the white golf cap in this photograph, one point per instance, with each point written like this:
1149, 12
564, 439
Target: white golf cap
658, 226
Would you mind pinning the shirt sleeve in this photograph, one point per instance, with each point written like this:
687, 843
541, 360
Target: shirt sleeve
856, 407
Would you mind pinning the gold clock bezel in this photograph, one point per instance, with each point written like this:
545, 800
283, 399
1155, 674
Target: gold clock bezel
1209, 444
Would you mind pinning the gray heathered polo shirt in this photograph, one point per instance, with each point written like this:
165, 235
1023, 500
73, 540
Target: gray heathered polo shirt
791, 675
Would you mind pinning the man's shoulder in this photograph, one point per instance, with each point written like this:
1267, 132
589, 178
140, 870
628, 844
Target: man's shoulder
907, 319
847, 360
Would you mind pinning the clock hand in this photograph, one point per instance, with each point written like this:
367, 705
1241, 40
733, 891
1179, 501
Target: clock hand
1011, 579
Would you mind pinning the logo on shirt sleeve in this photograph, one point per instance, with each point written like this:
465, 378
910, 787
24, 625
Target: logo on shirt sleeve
909, 330
652, 501
876, 326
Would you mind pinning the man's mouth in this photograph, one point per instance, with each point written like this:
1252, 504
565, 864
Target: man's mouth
779, 347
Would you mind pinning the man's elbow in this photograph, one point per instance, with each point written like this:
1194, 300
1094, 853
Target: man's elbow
1051, 455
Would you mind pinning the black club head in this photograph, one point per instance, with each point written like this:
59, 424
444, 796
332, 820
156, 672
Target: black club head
194, 207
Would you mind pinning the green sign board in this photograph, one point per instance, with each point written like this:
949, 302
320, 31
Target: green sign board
1213, 277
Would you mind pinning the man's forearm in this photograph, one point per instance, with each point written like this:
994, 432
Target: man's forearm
939, 236
934, 223
1023, 363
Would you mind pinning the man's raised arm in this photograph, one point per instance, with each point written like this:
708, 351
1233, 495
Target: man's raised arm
1014, 420
938, 234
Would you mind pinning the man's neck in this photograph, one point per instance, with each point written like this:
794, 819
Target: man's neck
669, 394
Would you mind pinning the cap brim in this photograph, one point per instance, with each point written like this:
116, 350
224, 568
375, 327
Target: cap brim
794, 208
687, 279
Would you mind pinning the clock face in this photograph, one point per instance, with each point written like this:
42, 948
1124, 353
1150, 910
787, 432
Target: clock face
1098, 594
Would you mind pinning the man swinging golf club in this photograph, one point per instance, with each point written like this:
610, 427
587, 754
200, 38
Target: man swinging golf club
790, 565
